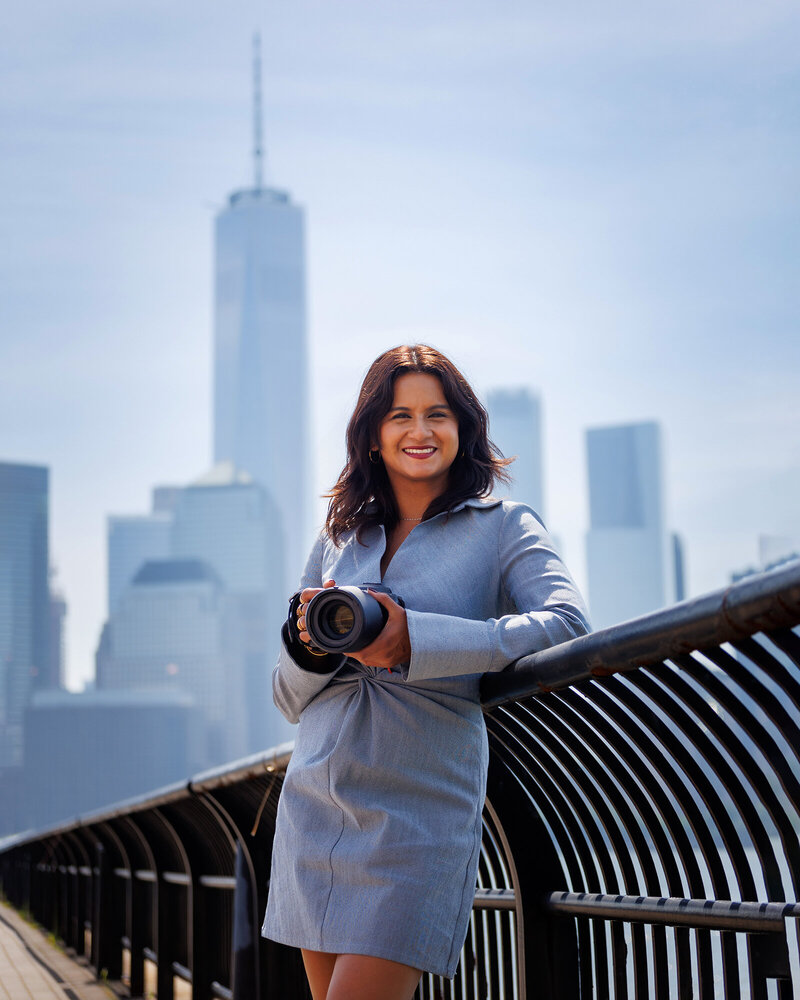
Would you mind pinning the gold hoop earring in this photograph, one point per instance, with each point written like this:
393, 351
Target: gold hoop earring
377, 455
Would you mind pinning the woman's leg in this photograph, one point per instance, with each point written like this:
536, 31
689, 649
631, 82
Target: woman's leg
319, 969
362, 977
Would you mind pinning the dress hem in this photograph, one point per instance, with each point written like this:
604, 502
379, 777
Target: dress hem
372, 950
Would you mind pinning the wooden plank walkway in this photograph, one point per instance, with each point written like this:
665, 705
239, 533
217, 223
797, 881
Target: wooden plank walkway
31, 968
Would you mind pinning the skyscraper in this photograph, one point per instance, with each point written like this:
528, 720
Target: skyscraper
515, 426
24, 597
171, 631
228, 521
132, 540
260, 353
628, 548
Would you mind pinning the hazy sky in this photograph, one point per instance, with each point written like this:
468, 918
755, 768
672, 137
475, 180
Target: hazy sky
598, 201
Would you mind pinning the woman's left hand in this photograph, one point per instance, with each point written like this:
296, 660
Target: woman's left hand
393, 645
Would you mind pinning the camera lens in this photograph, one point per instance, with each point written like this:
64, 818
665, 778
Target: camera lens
339, 620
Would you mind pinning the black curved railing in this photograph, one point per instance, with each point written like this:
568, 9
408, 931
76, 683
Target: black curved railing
641, 832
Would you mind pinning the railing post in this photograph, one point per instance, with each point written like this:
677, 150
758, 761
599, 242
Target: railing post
62, 916
244, 960
167, 931
202, 944
107, 921
139, 893
99, 879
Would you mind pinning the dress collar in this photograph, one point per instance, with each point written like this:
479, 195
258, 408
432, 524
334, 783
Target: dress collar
480, 503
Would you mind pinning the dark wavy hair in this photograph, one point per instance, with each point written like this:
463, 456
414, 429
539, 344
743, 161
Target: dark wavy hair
363, 495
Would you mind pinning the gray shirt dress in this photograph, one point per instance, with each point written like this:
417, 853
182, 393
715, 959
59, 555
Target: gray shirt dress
379, 821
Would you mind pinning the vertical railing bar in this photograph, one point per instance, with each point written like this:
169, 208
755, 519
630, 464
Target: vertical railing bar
705, 965
730, 963
683, 961
620, 954
638, 947
659, 949
585, 956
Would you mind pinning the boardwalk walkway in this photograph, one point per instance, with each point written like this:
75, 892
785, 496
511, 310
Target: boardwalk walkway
31, 968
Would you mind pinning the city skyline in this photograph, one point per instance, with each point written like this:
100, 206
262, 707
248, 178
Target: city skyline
597, 204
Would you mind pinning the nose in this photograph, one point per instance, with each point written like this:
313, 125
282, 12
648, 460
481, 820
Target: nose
419, 428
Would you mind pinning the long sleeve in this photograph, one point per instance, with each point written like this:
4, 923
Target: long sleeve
535, 582
298, 676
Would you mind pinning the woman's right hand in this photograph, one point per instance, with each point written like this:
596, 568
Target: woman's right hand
305, 597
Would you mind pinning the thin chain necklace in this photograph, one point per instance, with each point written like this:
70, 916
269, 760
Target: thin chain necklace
411, 518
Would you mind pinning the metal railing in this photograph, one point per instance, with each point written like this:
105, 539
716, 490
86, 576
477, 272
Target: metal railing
641, 832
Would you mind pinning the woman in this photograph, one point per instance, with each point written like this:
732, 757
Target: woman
379, 822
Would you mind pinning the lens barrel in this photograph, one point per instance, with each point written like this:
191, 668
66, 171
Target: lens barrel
343, 619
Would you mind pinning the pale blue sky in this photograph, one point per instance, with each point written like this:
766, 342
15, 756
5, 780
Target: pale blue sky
598, 201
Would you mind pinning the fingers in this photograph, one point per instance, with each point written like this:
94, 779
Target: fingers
392, 646
305, 597
308, 593
384, 599
393, 609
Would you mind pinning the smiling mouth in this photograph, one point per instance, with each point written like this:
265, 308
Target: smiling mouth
418, 452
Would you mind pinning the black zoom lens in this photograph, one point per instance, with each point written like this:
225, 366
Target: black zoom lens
343, 619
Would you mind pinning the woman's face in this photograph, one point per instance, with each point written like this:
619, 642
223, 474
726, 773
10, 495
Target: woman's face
418, 437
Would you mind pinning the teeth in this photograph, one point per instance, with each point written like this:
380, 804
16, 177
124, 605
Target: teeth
418, 451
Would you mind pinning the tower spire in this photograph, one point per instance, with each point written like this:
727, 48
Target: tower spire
258, 151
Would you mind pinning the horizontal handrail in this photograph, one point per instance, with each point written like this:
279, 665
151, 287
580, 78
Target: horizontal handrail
764, 601
494, 899
712, 914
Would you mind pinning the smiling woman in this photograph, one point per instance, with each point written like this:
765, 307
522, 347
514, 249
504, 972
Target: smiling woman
378, 830
418, 442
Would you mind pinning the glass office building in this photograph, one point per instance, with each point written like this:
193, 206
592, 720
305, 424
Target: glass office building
629, 556
24, 598
260, 356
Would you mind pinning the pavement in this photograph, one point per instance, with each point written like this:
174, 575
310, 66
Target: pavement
32, 967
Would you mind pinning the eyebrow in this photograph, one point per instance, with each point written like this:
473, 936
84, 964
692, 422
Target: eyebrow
436, 406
